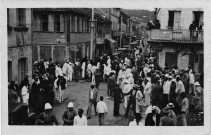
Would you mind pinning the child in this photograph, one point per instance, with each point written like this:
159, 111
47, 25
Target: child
101, 110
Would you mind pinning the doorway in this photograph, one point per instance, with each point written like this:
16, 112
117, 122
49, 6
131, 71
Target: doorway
22, 69
171, 59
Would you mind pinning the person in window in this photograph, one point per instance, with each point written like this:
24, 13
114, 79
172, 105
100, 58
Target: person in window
192, 29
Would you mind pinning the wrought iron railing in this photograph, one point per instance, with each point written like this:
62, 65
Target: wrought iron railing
177, 35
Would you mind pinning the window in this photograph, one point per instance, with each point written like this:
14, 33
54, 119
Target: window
78, 24
174, 19
87, 25
73, 23
196, 58
44, 22
82, 24
57, 23
21, 17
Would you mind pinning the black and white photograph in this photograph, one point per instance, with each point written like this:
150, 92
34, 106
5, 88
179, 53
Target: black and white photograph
111, 67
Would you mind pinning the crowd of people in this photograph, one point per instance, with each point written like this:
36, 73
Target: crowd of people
132, 78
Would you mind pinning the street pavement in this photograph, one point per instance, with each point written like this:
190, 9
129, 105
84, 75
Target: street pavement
77, 92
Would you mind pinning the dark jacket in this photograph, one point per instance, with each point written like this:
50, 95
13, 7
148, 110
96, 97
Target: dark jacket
149, 120
68, 117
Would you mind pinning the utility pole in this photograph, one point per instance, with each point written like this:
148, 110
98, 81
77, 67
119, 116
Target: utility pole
121, 32
92, 35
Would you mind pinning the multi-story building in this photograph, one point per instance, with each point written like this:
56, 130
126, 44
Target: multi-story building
175, 43
61, 34
19, 43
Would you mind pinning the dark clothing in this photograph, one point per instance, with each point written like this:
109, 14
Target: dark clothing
172, 89
68, 117
47, 119
77, 72
135, 75
117, 100
176, 108
33, 95
149, 120
131, 102
166, 121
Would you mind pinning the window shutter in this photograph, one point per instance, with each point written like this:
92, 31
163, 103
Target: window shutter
50, 23
61, 23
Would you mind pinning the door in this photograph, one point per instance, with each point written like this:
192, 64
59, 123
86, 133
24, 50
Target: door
171, 59
171, 20
196, 63
177, 16
22, 69
59, 54
9, 71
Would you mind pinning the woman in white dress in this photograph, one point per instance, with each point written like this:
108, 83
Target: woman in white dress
25, 93
89, 70
70, 72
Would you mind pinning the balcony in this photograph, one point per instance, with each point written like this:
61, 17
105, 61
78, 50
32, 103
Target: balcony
178, 35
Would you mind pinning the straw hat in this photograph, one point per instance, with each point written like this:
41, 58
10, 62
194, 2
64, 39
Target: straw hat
70, 104
197, 84
48, 106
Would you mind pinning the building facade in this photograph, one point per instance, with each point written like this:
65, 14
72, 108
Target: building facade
61, 34
175, 43
19, 43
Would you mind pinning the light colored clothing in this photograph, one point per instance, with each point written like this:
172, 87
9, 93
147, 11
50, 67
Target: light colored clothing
149, 109
139, 101
80, 121
46, 63
101, 107
180, 87
147, 93
134, 123
58, 71
107, 70
185, 105
192, 79
91, 95
25, 94
83, 69
166, 87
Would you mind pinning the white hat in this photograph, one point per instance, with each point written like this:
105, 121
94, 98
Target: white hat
197, 84
48, 106
170, 77
166, 75
70, 104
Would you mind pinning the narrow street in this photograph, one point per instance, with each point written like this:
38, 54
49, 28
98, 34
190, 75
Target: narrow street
78, 94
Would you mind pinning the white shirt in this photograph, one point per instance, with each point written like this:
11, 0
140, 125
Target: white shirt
80, 121
101, 107
92, 92
192, 80
166, 87
180, 87
107, 70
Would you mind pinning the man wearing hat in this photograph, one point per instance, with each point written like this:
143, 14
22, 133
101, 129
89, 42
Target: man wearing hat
172, 113
153, 118
47, 117
69, 114
166, 120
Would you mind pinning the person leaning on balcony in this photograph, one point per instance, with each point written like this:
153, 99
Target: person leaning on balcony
192, 29
201, 29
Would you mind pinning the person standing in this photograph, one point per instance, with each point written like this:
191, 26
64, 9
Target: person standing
101, 110
47, 117
97, 77
83, 67
153, 118
80, 119
33, 95
166, 120
184, 109
25, 93
147, 91
117, 100
191, 83
185, 80
69, 115
77, 71
93, 99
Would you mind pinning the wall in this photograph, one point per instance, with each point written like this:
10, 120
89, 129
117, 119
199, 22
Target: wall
47, 37
186, 16
14, 54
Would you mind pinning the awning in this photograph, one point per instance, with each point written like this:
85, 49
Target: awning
100, 41
111, 40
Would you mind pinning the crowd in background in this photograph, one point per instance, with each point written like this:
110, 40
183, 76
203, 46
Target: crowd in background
132, 78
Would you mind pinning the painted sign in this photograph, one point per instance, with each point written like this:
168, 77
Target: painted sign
60, 41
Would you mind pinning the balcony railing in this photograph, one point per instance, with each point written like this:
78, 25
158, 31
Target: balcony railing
178, 35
